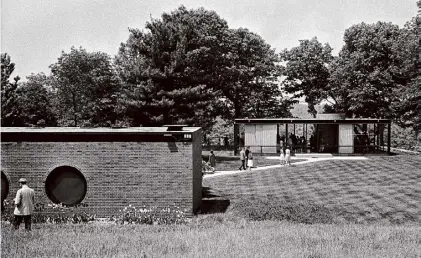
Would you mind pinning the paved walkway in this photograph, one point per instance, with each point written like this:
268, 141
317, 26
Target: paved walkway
309, 160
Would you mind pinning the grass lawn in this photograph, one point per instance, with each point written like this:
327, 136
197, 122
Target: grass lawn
374, 203
213, 236
382, 189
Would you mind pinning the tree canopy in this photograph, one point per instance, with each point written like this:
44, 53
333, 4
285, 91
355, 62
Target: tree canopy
36, 101
10, 113
250, 78
86, 88
373, 76
168, 70
375, 64
307, 71
189, 67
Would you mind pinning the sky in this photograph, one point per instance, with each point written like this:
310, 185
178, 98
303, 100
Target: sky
34, 33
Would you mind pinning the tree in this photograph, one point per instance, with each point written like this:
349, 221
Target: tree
35, 101
307, 71
87, 88
10, 113
168, 71
249, 77
374, 66
409, 108
188, 67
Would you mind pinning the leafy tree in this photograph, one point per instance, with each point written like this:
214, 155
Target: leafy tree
375, 65
409, 108
87, 88
10, 113
222, 128
307, 71
249, 77
168, 71
35, 101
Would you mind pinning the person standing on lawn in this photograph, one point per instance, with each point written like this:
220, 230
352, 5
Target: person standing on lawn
24, 202
243, 159
288, 156
250, 160
212, 160
282, 157
247, 155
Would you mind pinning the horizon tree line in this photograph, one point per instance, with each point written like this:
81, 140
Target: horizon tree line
189, 67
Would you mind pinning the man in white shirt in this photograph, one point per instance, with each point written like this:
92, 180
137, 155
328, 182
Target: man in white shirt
24, 202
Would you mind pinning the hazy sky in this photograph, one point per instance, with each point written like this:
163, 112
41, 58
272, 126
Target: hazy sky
34, 33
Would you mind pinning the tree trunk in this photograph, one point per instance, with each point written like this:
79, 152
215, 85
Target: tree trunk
237, 111
74, 109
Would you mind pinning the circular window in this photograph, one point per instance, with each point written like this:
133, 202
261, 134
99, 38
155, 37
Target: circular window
4, 186
66, 185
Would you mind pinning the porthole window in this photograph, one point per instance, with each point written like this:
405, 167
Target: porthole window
4, 186
66, 185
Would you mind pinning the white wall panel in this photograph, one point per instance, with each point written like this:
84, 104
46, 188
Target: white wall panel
250, 136
257, 136
269, 138
346, 138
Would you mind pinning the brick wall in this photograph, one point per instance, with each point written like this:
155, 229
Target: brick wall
151, 174
197, 167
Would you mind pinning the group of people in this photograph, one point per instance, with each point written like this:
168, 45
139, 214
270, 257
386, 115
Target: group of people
285, 157
246, 158
297, 143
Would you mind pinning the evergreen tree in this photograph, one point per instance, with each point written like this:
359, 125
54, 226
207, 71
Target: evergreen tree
168, 70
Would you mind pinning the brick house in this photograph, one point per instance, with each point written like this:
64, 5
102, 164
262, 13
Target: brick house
105, 168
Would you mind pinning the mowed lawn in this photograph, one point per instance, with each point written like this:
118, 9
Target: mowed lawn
381, 194
384, 189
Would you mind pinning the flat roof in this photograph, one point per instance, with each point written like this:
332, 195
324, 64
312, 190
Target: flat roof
312, 121
97, 134
95, 130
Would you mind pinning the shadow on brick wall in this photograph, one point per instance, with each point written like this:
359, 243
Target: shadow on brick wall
172, 146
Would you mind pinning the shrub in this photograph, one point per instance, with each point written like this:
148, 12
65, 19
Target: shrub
131, 215
52, 213
405, 138
265, 209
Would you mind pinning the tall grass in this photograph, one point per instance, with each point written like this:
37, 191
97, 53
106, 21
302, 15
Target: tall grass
216, 235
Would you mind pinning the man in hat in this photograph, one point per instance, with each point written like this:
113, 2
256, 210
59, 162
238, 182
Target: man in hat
24, 202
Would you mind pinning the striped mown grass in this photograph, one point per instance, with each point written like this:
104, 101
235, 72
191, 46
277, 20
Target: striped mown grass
374, 203
383, 189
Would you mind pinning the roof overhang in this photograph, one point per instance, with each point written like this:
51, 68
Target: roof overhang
311, 121
75, 134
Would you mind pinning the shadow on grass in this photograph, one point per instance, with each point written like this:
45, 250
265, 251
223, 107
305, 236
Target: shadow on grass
222, 158
261, 208
212, 202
